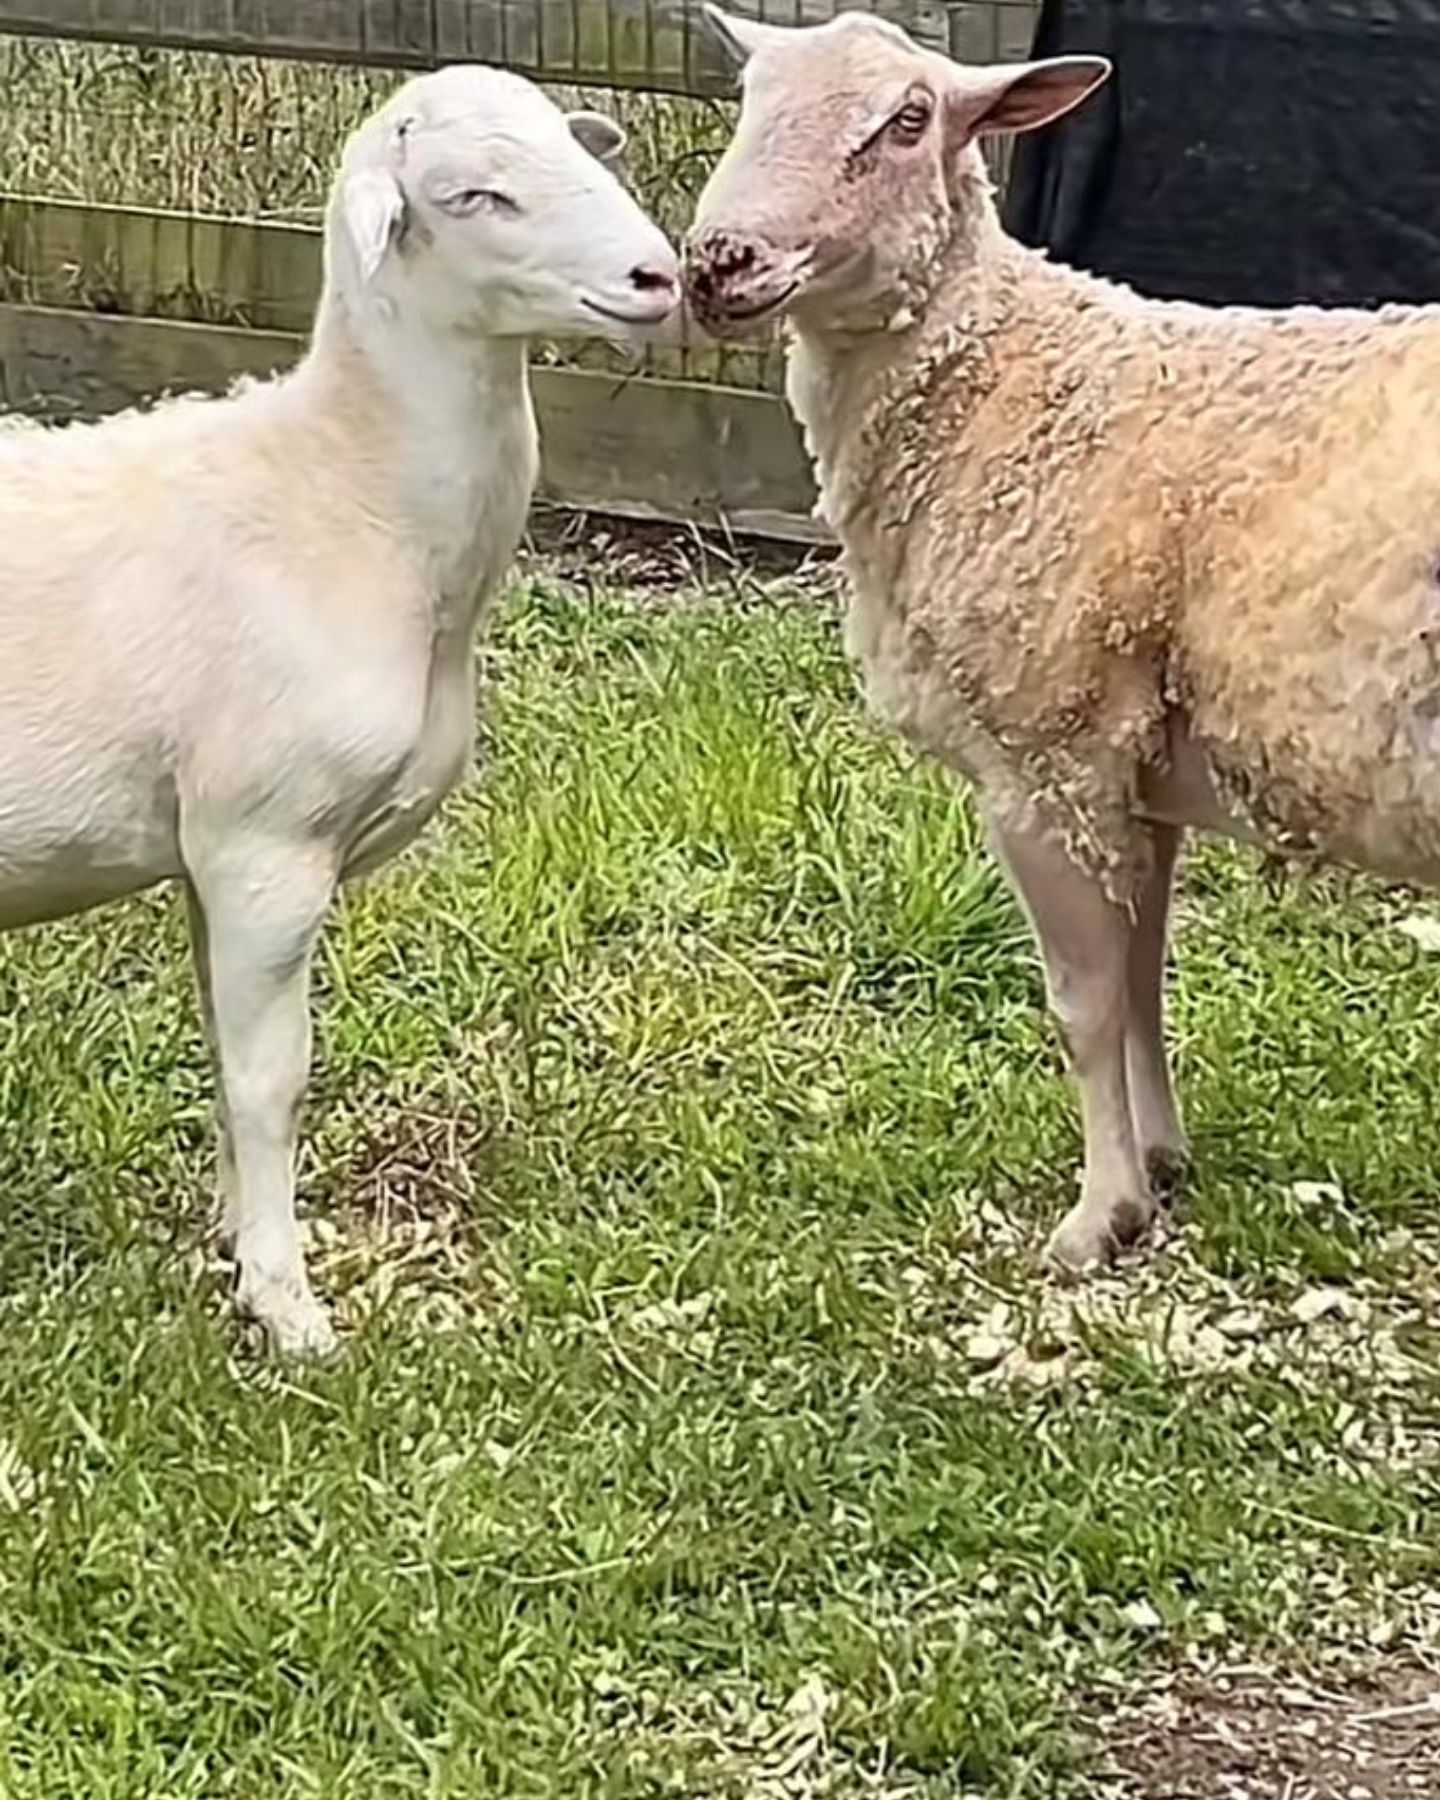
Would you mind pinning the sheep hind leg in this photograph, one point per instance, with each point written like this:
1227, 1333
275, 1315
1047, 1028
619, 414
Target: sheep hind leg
262, 906
1085, 941
1159, 1131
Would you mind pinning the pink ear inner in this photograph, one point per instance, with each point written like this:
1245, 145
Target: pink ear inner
1032, 96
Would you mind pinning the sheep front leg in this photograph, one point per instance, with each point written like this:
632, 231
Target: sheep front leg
1085, 940
224, 1150
1158, 1128
261, 907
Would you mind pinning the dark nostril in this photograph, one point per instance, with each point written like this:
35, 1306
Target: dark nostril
726, 256
651, 281
721, 268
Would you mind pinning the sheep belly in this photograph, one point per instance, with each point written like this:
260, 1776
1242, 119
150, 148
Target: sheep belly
73, 835
1357, 782
1308, 664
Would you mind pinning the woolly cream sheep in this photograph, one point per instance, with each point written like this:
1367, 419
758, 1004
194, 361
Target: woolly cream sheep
1131, 566
236, 635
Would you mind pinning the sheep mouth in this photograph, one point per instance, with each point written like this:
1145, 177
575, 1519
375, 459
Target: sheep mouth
747, 315
654, 314
739, 318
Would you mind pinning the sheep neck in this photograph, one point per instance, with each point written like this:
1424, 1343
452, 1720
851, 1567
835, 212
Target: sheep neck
451, 420
860, 389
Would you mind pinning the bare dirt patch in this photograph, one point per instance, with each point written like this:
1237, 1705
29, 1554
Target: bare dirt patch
1249, 1734
649, 555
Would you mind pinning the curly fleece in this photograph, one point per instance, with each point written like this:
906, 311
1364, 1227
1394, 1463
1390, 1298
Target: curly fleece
1073, 516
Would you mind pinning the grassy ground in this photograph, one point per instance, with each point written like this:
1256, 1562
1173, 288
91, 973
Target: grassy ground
684, 1127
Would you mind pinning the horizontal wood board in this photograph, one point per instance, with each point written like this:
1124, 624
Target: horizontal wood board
684, 451
266, 276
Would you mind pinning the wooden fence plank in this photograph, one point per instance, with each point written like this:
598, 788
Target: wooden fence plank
982, 31
653, 449
657, 45
174, 265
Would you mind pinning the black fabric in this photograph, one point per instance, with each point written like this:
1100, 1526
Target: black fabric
1256, 151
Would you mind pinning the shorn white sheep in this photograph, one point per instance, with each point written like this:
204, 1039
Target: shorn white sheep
236, 634
1131, 566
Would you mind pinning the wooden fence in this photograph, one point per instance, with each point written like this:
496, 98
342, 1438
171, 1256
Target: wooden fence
103, 305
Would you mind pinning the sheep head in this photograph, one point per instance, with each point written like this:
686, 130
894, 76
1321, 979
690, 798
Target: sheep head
474, 203
854, 164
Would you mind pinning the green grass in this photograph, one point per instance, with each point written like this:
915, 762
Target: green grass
683, 1111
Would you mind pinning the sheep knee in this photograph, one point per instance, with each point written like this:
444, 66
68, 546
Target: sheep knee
1087, 1001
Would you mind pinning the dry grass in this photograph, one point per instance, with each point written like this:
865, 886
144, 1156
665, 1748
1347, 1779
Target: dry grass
257, 139
1261, 1734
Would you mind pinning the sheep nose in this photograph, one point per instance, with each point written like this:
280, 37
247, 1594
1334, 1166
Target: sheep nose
647, 279
718, 260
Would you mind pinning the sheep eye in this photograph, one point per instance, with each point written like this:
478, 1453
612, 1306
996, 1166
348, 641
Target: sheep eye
463, 203
910, 121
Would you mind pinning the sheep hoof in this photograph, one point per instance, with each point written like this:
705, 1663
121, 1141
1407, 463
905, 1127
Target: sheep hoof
1089, 1237
294, 1322
1167, 1167
1079, 1247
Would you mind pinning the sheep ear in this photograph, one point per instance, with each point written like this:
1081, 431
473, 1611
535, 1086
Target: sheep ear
602, 137
740, 38
372, 206
1025, 96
